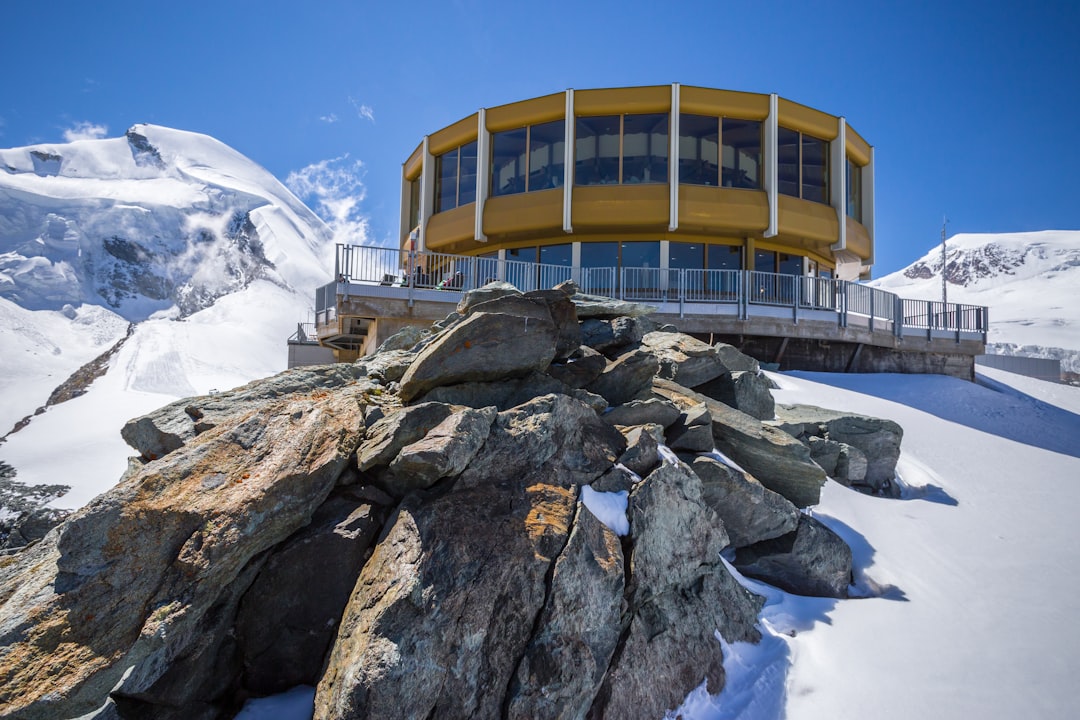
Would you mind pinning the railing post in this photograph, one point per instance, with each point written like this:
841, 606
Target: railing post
898, 316
682, 292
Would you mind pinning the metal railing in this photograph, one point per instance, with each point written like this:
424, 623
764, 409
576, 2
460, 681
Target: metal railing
851, 303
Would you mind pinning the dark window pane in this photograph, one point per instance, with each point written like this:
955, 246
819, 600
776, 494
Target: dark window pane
557, 254
546, 155
765, 261
599, 254
414, 203
698, 149
596, 158
642, 254
508, 162
645, 148
446, 172
854, 191
467, 174
787, 155
815, 169
791, 264
742, 153
686, 255
526, 254
725, 257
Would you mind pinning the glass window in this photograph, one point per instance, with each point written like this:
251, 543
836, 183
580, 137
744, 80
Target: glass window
645, 148
525, 254
725, 257
414, 203
467, 174
790, 264
815, 169
547, 152
854, 191
765, 261
599, 254
787, 154
641, 254
596, 161
557, 254
741, 153
508, 161
699, 142
686, 255
446, 172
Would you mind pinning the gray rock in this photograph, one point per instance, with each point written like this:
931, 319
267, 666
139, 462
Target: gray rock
443, 452
132, 581
170, 427
404, 339
684, 359
595, 306
692, 431
403, 426
434, 627
616, 479
851, 466
878, 439
577, 630
752, 394
476, 350
579, 369
779, 461
503, 394
642, 454
626, 378
826, 453
612, 336
289, 615
642, 412
552, 439
813, 561
564, 315
387, 366
734, 360
750, 511
486, 293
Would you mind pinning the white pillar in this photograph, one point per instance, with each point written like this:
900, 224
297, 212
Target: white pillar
427, 194
673, 160
483, 162
838, 182
772, 164
403, 219
569, 133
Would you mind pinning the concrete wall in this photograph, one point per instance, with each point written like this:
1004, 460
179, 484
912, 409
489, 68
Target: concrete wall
1042, 368
309, 354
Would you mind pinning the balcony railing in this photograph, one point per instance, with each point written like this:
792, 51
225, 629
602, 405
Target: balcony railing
375, 271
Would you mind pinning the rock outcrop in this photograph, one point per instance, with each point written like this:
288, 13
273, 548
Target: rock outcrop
410, 533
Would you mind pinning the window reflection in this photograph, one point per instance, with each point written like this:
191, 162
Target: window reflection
803, 165
630, 149
527, 159
596, 159
683, 255
455, 177
854, 191
645, 148
699, 143
741, 153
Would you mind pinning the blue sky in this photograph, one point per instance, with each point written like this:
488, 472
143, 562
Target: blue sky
971, 106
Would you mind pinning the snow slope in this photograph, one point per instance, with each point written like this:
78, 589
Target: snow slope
1030, 281
971, 578
212, 258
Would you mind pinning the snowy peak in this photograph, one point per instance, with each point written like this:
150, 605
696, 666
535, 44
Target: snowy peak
978, 260
156, 220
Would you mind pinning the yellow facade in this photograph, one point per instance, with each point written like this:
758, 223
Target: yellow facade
788, 198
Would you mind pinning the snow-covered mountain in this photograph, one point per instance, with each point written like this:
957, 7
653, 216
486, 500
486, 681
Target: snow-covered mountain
186, 262
1030, 281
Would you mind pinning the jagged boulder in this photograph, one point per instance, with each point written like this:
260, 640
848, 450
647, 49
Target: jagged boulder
779, 461
475, 348
580, 368
735, 360
563, 313
443, 452
126, 587
613, 336
812, 560
642, 449
400, 427
692, 431
628, 377
642, 412
753, 396
750, 511
683, 359
877, 439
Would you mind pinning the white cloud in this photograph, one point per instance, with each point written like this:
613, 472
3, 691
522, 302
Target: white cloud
329, 119
85, 131
334, 189
366, 112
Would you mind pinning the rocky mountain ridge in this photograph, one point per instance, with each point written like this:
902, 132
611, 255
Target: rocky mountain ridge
423, 533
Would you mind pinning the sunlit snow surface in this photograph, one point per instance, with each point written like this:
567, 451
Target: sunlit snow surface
971, 577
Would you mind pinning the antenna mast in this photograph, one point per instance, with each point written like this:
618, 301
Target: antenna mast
944, 288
